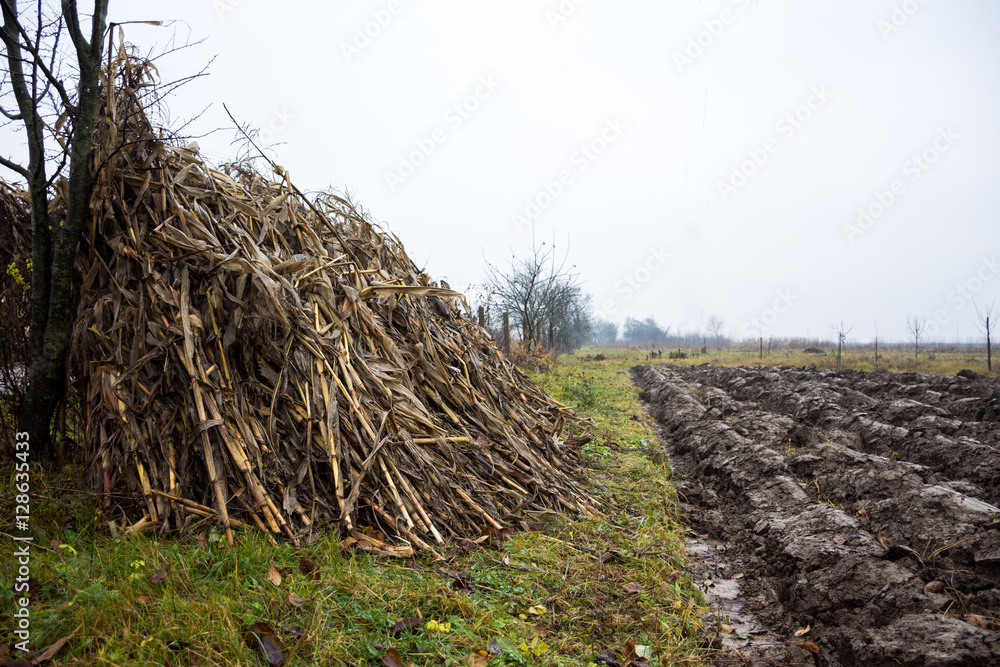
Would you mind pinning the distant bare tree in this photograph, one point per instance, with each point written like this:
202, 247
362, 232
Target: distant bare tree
841, 333
916, 326
715, 325
986, 321
543, 296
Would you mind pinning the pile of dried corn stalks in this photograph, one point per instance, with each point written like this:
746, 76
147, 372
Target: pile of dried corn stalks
248, 355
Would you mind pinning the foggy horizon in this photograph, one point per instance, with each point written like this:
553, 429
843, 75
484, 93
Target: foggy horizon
780, 163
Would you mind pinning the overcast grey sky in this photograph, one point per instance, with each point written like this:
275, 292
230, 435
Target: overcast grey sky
697, 157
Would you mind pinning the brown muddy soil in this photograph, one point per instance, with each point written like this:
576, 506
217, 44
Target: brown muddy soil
860, 506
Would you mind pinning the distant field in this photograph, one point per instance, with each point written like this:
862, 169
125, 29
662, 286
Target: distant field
934, 360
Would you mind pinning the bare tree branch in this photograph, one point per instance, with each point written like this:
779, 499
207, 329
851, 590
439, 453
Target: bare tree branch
13, 166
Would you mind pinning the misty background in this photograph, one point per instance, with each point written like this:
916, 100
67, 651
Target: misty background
782, 165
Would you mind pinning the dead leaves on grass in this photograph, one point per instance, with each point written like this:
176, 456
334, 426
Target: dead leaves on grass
309, 568
262, 638
632, 588
406, 624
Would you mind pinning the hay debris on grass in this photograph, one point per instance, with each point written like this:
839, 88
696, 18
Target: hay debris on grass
246, 355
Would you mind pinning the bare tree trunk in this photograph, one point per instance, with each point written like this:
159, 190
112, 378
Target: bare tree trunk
51, 326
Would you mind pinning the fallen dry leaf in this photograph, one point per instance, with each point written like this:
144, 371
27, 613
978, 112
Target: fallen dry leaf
803, 630
881, 540
728, 629
392, 658
468, 545
463, 584
477, 659
274, 576
406, 624
295, 600
673, 576
632, 588
261, 638
48, 653
158, 577
308, 567
977, 620
839, 540
808, 646
935, 587
738, 575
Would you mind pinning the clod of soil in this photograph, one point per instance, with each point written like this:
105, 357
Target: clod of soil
860, 507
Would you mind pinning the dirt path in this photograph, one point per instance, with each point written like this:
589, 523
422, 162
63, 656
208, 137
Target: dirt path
858, 505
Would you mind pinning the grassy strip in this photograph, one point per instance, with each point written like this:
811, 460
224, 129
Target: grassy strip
935, 361
541, 597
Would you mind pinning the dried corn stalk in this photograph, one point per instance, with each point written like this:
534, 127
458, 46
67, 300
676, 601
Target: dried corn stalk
251, 357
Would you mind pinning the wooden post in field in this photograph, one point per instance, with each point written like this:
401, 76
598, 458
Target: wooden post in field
506, 333
989, 349
482, 317
761, 347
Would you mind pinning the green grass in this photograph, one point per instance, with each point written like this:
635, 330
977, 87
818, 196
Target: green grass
543, 597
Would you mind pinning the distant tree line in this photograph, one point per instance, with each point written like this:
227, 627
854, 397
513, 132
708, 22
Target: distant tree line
649, 331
